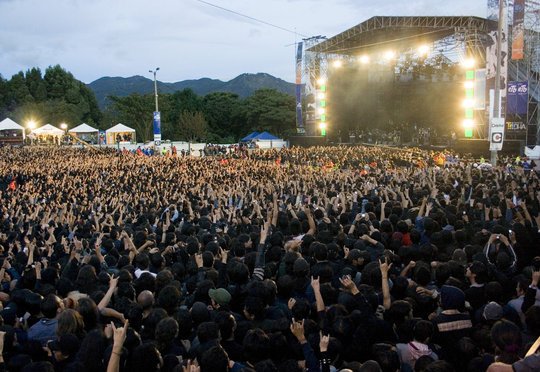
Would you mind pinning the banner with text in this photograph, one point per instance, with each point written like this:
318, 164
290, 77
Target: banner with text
518, 29
517, 98
157, 128
496, 136
299, 119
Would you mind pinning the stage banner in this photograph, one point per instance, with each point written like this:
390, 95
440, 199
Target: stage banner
518, 29
299, 119
491, 50
517, 99
515, 128
157, 128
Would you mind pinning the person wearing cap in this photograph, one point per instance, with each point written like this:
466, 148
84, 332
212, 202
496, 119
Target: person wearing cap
452, 323
220, 298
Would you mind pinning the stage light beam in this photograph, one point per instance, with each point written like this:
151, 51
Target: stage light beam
364, 60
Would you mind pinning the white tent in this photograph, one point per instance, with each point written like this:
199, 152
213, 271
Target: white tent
83, 128
48, 130
120, 131
8, 124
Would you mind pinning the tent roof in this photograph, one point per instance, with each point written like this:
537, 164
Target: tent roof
120, 128
83, 128
48, 129
249, 137
265, 136
8, 124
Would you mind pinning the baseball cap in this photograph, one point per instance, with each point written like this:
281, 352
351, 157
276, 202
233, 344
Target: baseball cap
220, 295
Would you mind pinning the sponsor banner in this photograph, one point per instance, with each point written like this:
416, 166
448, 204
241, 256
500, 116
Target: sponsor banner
299, 119
491, 50
518, 96
496, 136
518, 29
157, 128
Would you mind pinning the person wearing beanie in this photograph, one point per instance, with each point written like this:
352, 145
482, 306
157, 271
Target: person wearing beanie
452, 323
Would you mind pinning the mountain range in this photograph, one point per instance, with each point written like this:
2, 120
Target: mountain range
244, 85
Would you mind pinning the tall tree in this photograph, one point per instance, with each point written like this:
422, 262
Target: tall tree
36, 85
270, 110
191, 126
222, 111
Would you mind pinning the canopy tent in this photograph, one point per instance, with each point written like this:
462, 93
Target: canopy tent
9, 131
264, 136
249, 137
120, 133
83, 128
48, 130
85, 133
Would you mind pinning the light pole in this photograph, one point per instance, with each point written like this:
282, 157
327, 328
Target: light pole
155, 86
157, 117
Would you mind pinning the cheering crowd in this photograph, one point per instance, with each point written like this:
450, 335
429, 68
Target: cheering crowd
319, 259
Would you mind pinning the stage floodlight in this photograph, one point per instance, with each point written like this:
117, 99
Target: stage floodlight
468, 63
390, 54
337, 63
321, 81
321, 110
423, 50
469, 84
364, 60
468, 123
321, 95
467, 103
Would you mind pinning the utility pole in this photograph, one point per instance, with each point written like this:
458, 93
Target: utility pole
156, 126
497, 93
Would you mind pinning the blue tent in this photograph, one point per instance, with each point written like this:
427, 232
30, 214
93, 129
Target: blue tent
265, 136
249, 137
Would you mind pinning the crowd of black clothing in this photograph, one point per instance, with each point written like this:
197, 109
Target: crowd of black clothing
319, 259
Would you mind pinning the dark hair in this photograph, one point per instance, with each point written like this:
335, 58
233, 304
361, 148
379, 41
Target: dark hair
169, 298
386, 356
89, 312
166, 331
506, 336
256, 345
214, 359
226, 323
423, 330
207, 331
50, 306
145, 358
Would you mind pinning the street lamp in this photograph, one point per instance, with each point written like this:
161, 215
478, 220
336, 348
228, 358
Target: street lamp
63, 126
155, 85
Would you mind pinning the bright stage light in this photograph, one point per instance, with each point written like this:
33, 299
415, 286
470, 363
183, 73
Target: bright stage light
31, 124
364, 60
467, 103
469, 85
337, 63
468, 123
390, 54
322, 126
468, 63
321, 81
423, 50
321, 110
321, 95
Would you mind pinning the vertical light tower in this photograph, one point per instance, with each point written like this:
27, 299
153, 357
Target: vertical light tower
321, 88
157, 116
468, 121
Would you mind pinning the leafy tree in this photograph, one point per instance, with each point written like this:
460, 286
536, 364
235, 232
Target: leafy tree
36, 84
18, 92
192, 126
222, 111
270, 110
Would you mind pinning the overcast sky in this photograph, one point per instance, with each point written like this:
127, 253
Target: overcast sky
187, 39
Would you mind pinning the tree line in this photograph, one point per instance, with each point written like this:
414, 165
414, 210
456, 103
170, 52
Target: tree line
221, 117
